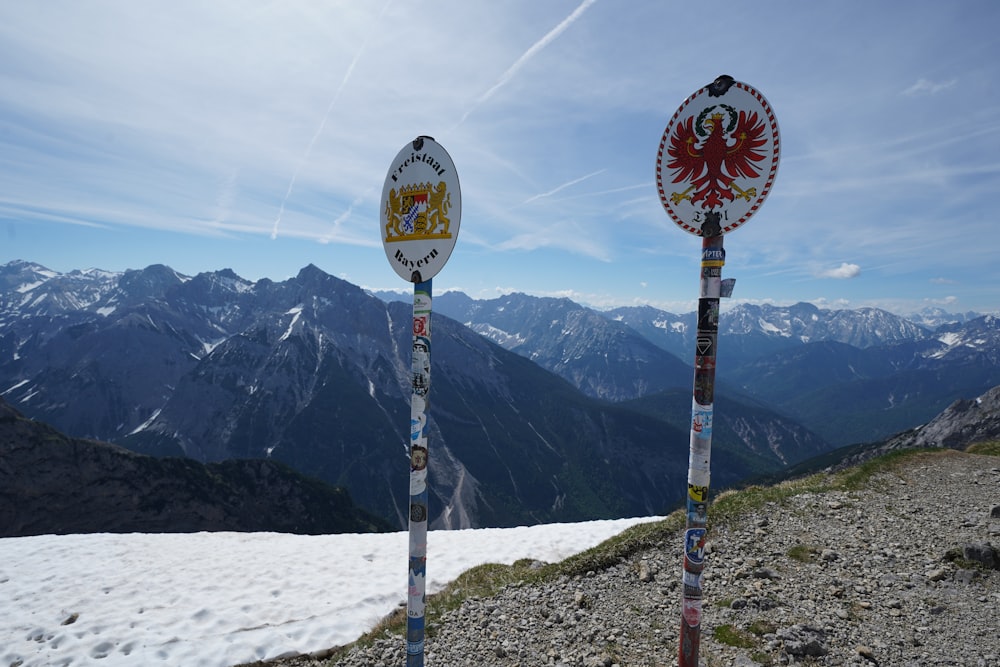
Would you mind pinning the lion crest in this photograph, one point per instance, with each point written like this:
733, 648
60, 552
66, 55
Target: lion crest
418, 212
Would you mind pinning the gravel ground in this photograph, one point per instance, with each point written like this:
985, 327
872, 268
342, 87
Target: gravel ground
889, 575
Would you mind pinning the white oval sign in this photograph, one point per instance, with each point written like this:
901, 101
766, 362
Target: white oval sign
718, 158
421, 210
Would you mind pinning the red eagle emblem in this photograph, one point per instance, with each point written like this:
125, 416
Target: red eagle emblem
711, 155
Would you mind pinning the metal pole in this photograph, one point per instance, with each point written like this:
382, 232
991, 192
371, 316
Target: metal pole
421, 380
713, 257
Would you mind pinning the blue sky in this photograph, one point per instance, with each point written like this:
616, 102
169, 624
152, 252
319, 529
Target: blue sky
257, 135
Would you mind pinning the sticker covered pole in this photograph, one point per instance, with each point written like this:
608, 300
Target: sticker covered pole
421, 380
713, 257
421, 213
715, 166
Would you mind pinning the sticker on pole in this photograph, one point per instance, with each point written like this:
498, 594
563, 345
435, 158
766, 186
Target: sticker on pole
718, 158
421, 210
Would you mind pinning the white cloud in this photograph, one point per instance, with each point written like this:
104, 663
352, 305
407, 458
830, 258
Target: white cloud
927, 87
842, 272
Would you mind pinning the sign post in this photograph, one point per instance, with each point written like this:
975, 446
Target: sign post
421, 213
715, 165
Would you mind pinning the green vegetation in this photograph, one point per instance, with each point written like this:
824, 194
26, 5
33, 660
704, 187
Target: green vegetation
988, 448
761, 627
730, 506
730, 636
956, 555
488, 579
804, 553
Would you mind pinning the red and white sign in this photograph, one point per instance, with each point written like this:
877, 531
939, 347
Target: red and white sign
718, 158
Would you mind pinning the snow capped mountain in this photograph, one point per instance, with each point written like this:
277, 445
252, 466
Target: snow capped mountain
933, 317
601, 356
542, 409
758, 330
883, 373
31, 290
977, 338
21, 276
803, 322
315, 373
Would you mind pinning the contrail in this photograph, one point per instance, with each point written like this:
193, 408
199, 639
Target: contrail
343, 217
526, 56
319, 130
562, 187
224, 201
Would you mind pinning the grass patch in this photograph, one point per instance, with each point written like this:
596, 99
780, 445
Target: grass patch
859, 476
489, 579
732, 506
989, 448
762, 658
633, 540
957, 556
804, 553
732, 636
761, 627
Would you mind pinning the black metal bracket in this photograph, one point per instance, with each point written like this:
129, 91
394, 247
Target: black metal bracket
720, 86
712, 226
418, 143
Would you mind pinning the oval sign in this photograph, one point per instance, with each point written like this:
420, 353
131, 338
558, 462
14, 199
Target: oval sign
421, 210
718, 158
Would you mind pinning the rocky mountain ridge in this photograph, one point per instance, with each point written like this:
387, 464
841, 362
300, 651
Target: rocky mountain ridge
963, 423
315, 373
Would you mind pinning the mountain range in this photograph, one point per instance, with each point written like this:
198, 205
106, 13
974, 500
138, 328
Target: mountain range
540, 410
847, 375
